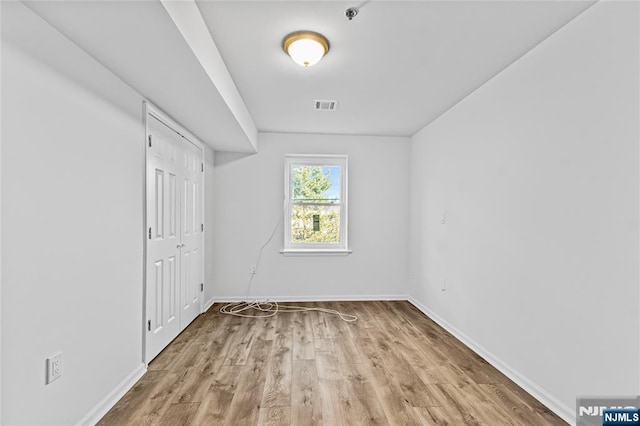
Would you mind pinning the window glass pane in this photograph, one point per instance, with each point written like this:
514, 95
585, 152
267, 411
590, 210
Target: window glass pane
315, 184
313, 224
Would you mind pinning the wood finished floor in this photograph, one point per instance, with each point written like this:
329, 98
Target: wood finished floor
394, 366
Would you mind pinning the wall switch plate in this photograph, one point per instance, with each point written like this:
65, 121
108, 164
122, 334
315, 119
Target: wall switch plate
54, 367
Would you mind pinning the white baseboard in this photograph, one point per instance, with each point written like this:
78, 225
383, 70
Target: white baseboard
566, 413
348, 298
209, 304
94, 416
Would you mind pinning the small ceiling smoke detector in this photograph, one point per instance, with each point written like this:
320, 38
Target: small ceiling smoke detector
321, 105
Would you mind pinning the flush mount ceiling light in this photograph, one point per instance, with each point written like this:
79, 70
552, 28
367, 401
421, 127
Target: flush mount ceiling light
305, 47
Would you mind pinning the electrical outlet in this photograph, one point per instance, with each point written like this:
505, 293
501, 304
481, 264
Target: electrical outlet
253, 269
54, 367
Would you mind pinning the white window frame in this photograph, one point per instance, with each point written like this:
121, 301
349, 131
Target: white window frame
316, 160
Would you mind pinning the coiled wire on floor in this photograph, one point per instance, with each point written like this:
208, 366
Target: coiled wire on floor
266, 309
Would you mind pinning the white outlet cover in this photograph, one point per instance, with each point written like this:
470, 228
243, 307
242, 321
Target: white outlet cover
54, 367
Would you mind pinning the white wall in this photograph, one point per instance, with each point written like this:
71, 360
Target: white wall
537, 172
209, 231
249, 203
72, 200
0, 219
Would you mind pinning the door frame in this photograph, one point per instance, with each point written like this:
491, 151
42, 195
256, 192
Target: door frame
150, 109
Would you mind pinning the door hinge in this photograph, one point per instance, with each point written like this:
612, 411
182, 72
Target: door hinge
202, 164
202, 227
149, 325
149, 141
201, 286
149, 232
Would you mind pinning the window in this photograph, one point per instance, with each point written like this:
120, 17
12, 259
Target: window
316, 204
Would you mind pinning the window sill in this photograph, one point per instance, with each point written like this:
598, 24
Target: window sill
315, 252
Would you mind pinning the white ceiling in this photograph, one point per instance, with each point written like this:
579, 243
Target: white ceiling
393, 69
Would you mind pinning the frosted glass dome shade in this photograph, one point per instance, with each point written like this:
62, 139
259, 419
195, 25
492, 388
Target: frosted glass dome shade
306, 48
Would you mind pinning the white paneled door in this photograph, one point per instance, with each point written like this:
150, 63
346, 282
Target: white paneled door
174, 266
191, 265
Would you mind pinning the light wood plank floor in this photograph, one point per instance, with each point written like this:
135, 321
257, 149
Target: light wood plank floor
394, 366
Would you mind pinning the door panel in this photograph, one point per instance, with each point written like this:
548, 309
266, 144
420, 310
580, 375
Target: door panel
196, 265
174, 249
173, 289
192, 263
158, 278
158, 224
162, 265
186, 258
173, 206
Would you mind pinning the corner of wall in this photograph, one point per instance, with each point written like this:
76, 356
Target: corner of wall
567, 413
103, 407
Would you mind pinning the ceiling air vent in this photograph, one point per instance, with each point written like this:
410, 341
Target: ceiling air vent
325, 105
